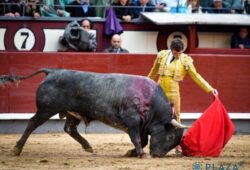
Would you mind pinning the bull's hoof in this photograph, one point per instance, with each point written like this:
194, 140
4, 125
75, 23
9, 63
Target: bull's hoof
143, 155
131, 153
16, 151
89, 150
154, 155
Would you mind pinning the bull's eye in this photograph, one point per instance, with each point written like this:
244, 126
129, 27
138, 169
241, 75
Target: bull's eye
170, 137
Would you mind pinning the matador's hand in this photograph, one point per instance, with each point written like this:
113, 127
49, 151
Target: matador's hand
215, 92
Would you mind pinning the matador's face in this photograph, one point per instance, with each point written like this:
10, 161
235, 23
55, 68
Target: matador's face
176, 54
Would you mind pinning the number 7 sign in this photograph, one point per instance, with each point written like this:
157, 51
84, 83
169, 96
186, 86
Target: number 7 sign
24, 39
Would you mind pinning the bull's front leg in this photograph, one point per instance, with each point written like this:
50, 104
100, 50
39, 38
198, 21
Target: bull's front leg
132, 152
131, 119
136, 140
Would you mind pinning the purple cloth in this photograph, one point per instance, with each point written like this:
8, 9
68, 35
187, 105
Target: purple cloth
112, 24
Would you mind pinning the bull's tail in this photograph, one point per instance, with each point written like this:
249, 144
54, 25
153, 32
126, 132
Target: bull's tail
4, 79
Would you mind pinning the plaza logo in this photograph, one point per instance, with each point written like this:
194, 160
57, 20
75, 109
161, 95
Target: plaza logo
218, 166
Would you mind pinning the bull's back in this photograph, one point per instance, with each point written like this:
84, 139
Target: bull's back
98, 95
99, 84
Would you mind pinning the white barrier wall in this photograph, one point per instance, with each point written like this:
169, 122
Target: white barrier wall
2, 33
140, 41
214, 40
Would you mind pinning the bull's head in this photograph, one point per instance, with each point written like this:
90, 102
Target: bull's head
165, 138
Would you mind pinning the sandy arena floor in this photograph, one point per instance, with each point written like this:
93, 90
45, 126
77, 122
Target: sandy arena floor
59, 151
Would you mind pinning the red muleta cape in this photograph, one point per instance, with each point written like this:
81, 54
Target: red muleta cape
210, 133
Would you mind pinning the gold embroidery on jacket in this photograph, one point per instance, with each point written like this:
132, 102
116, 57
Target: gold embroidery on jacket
175, 69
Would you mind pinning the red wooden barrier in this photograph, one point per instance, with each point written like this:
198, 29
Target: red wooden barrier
229, 74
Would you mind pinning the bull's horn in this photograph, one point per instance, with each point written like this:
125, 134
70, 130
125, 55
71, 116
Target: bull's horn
178, 125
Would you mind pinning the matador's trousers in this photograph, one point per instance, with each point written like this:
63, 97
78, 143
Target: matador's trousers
171, 88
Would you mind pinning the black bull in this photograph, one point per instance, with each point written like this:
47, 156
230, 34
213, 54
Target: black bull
134, 104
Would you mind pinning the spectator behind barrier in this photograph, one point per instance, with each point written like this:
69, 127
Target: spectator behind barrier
81, 8
16, 8
160, 5
123, 10
195, 6
101, 9
12, 8
173, 6
142, 6
87, 25
54, 8
205, 3
116, 45
241, 39
76, 38
247, 6
234, 5
32, 8
217, 7
1, 7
